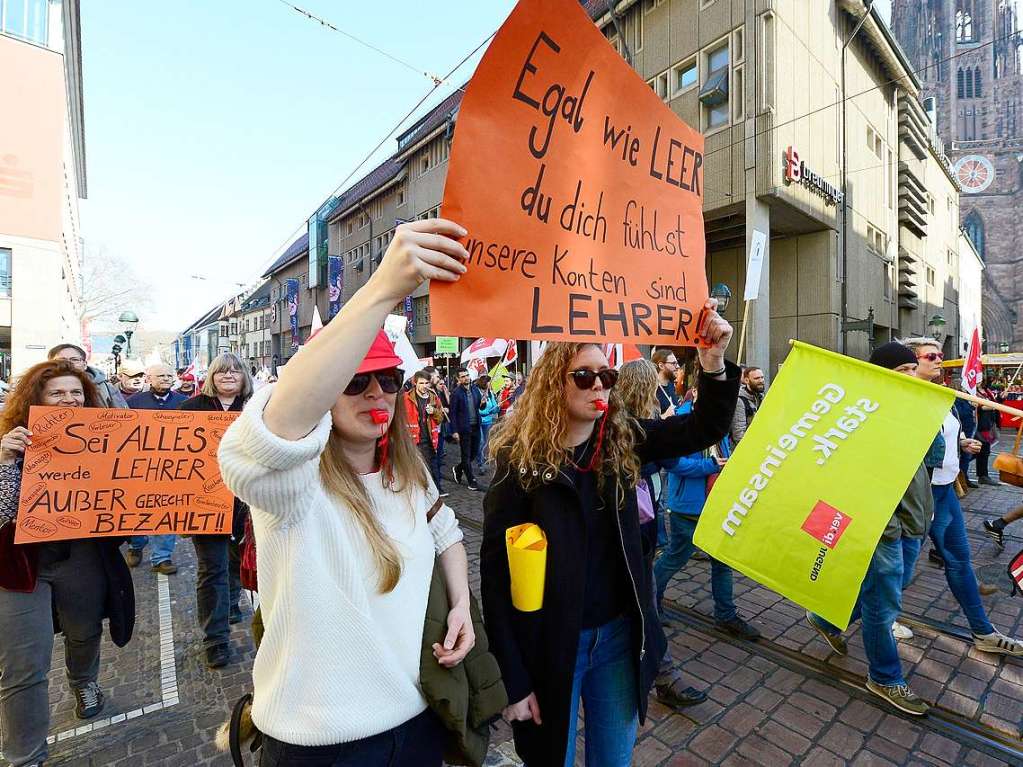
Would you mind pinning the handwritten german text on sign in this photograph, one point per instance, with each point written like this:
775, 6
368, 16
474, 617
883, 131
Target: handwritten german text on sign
581, 191
92, 473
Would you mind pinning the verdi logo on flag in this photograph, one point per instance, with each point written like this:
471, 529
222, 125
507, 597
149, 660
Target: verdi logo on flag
803, 501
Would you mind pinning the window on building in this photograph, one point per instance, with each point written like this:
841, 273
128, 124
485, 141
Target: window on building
977, 90
969, 83
961, 84
714, 92
659, 85
931, 277
974, 226
888, 278
684, 76
26, 19
964, 27
421, 310
402, 193
738, 45
637, 29
5, 272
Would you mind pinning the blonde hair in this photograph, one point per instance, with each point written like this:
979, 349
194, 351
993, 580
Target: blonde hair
637, 386
530, 440
404, 471
221, 364
919, 342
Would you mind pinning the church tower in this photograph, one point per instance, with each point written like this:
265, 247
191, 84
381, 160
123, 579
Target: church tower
967, 55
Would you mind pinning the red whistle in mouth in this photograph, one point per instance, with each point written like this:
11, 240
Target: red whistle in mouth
379, 417
600, 405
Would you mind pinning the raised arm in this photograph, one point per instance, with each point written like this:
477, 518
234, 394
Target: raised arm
312, 382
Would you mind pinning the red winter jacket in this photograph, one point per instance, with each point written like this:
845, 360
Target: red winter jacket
412, 416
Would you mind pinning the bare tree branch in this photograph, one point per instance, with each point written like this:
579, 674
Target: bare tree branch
110, 286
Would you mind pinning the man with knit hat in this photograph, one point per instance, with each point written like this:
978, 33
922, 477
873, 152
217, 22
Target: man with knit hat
880, 599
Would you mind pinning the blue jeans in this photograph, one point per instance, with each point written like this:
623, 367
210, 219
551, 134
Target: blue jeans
481, 457
878, 605
910, 553
676, 555
419, 742
948, 533
605, 680
163, 547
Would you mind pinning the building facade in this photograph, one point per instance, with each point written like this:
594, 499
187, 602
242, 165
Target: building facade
42, 179
967, 53
860, 204
255, 340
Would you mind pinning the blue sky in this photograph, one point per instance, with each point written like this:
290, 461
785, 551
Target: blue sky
214, 129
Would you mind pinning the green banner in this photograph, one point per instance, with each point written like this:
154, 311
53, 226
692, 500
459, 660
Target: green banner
803, 501
447, 345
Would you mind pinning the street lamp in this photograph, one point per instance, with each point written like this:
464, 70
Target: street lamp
936, 326
130, 320
723, 294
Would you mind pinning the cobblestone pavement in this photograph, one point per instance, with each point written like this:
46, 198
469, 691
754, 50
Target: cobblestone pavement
764, 708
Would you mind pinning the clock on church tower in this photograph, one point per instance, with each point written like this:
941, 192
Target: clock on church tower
975, 173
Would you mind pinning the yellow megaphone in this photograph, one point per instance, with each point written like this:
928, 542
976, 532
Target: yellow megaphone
527, 563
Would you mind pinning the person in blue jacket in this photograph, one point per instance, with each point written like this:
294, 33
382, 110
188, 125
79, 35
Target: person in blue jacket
489, 410
684, 499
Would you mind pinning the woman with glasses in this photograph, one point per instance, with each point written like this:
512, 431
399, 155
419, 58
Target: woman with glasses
109, 395
568, 459
348, 525
218, 587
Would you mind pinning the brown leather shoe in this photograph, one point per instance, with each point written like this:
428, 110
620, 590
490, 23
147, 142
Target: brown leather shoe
165, 568
132, 557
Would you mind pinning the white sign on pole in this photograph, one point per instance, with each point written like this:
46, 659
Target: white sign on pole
758, 242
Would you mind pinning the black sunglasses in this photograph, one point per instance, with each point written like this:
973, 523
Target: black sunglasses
585, 379
390, 381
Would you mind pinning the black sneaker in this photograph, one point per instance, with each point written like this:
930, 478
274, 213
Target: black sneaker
672, 692
936, 558
473, 486
218, 656
88, 700
989, 481
971, 484
739, 628
995, 533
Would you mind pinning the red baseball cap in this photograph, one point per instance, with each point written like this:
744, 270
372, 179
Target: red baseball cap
380, 356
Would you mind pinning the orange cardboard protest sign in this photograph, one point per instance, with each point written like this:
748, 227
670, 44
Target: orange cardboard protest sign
581, 191
92, 473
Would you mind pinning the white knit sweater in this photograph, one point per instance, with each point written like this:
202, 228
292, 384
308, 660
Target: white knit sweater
339, 661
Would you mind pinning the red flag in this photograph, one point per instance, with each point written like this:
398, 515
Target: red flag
972, 367
511, 354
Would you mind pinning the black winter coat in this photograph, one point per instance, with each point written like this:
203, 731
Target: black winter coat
537, 650
203, 402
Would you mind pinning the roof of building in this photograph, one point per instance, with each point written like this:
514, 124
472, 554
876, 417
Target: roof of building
386, 171
296, 249
205, 319
261, 297
431, 120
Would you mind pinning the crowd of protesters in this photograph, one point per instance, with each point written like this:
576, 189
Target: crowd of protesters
365, 610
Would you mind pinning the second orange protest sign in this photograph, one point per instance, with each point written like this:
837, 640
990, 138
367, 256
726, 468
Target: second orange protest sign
94, 473
581, 191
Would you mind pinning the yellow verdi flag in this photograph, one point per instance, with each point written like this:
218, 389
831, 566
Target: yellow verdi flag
805, 497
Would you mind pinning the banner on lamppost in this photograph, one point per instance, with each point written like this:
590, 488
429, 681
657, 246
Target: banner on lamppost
410, 316
335, 284
293, 311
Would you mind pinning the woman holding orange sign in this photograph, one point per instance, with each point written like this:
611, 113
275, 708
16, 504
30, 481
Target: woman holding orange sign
566, 594
77, 582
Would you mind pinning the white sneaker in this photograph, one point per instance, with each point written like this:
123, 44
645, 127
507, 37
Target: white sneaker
997, 642
901, 632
